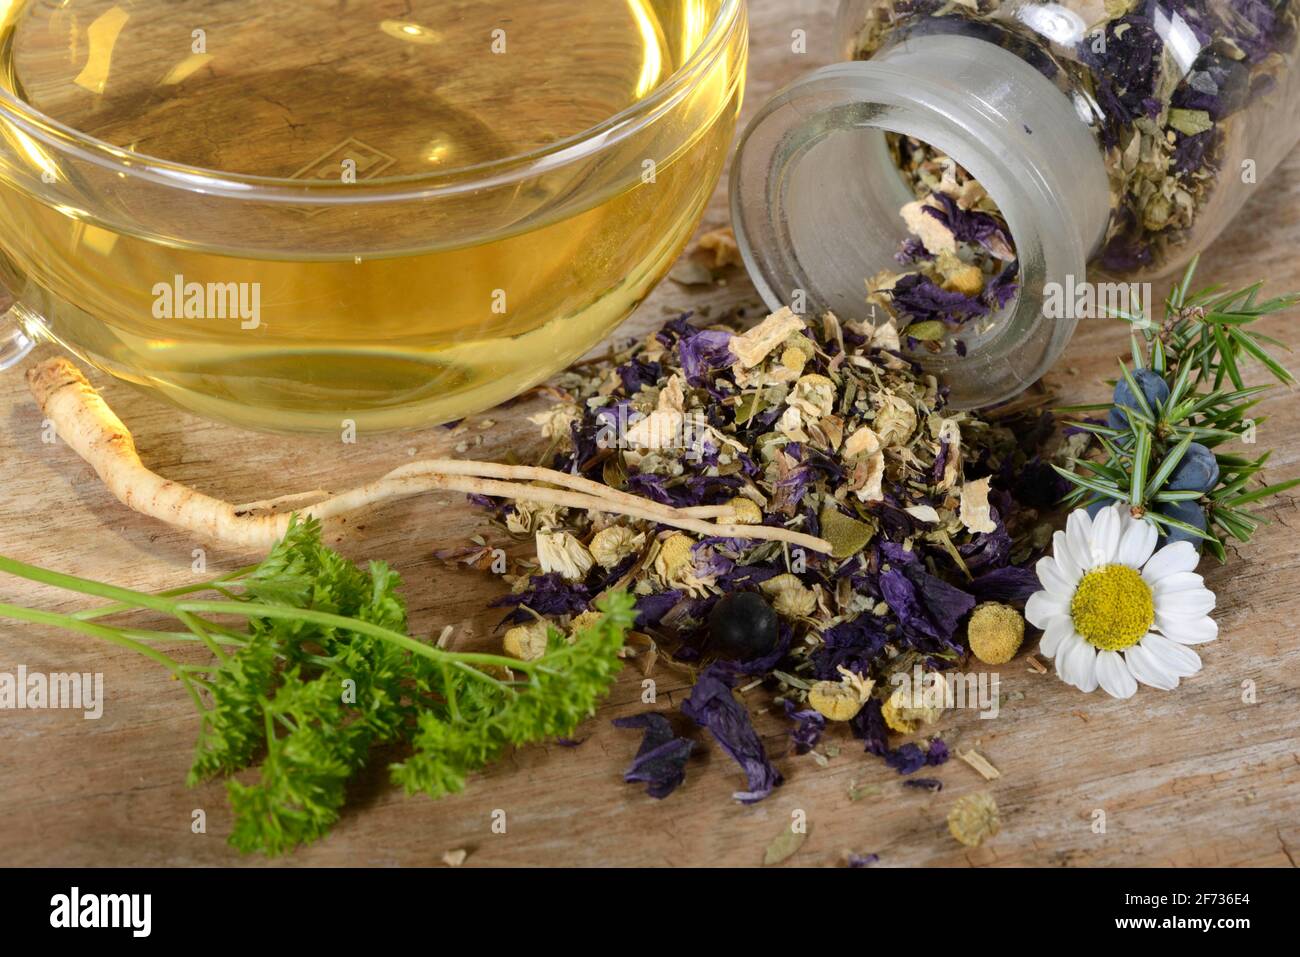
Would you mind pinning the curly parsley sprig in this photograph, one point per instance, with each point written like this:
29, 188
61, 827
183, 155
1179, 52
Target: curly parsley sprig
320, 670
1201, 401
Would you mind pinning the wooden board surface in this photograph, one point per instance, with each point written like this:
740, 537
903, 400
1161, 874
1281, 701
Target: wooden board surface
1197, 776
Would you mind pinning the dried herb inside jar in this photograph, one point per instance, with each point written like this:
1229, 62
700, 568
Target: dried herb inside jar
1160, 83
958, 262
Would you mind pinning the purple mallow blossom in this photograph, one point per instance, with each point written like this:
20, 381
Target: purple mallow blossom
660, 762
921, 300
969, 225
712, 705
808, 727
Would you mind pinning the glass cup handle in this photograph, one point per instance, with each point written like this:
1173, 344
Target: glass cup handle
15, 343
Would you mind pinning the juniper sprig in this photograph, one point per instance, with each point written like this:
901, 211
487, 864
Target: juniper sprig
322, 671
1182, 397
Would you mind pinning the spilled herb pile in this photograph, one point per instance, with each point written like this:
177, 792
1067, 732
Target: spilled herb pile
959, 263
1164, 87
824, 427
322, 671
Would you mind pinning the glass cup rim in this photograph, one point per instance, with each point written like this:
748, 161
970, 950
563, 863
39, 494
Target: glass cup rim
414, 186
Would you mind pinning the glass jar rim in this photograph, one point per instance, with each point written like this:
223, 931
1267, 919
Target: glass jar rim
414, 186
917, 96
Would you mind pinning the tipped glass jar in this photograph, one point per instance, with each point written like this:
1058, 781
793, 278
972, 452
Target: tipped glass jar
1121, 136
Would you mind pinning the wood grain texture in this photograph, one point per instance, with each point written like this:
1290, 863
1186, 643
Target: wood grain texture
1192, 777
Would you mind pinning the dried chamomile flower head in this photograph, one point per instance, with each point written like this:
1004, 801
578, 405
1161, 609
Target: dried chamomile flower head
790, 597
835, 700
611, 545
813, 395
583, 621
561, 552
995, 632
526, 642
526, 517
974, 819
902, 715
745, 511
674, 560
895, 419
861, 686
793, 359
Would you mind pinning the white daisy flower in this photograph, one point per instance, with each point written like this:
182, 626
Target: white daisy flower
1112, 612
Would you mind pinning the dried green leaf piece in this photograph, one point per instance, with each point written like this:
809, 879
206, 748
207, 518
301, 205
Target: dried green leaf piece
931, 330
847, 536
1190, 122
785, 846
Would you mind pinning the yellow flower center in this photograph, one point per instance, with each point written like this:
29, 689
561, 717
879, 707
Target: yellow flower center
1112, 608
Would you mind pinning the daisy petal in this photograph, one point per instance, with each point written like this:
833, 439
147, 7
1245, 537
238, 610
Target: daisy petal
1146, 669
1192, 604
1105, 536
1068, 644
1078, 525
1083, 665
1057, 630
1137, 544
1175, 658
1049, 573
1078, 533
1065, 558
1043, 607
1170, 560
1178, 581
1194, 632
1113, 674
1076, 663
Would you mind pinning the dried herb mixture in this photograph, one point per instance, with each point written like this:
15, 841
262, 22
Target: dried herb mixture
820, 426
959, 263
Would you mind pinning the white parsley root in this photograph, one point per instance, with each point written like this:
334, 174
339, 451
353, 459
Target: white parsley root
91, 429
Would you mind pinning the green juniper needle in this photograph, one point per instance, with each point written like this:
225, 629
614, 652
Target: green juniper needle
1192, 360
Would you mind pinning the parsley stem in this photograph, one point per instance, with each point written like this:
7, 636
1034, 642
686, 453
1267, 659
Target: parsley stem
250, 609
482, 676
117, 607
126, 596
113, 635
450, 692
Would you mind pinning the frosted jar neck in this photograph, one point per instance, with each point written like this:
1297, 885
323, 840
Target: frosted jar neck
815, 194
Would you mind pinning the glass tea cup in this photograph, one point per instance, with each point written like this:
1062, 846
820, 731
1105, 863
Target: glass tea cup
287, 215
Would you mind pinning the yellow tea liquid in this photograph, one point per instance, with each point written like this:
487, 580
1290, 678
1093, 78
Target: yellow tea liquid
390, 314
